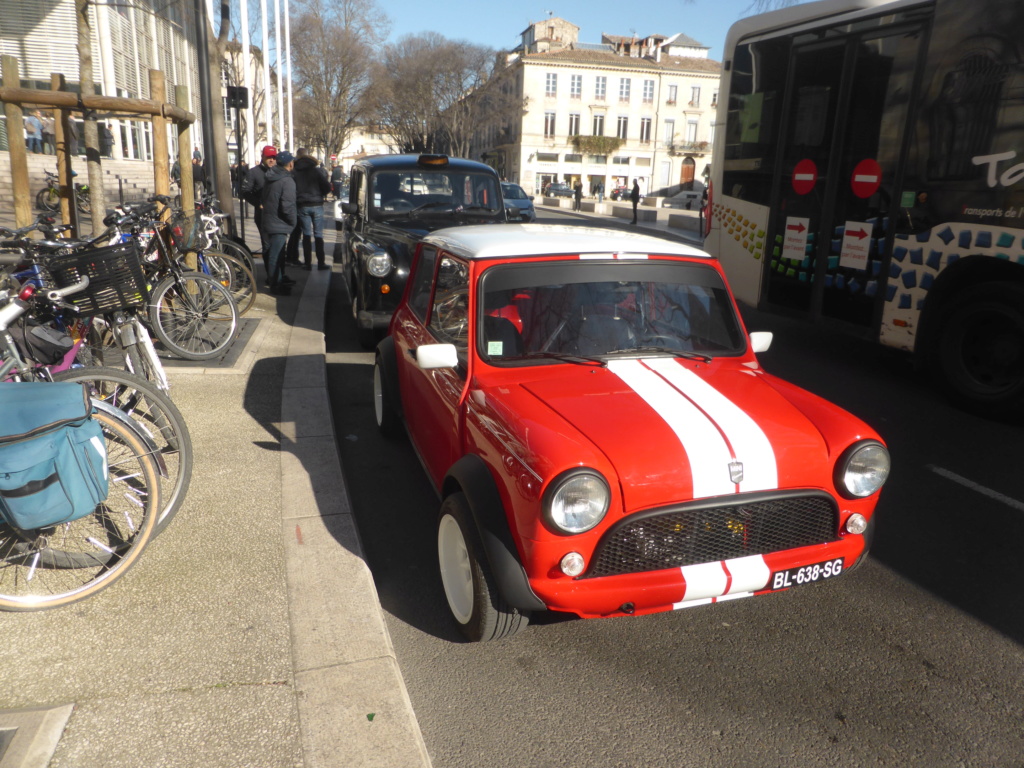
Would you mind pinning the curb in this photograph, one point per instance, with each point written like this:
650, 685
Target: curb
354, 709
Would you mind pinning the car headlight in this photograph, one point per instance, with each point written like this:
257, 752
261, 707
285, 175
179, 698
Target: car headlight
577, 501
379, 265
862, 469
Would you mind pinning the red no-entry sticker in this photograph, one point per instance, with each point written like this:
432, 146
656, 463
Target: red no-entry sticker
866, 178
805, 176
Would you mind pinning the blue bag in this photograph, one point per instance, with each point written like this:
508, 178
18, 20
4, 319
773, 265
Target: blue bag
53, 458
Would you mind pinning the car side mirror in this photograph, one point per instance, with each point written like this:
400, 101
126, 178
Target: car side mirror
430, 356
760, 341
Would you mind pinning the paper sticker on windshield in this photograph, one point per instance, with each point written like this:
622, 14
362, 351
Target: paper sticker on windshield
494, 348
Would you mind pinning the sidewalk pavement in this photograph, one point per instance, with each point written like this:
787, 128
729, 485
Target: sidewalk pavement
250, 632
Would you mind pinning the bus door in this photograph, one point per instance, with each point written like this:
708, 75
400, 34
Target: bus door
844, 130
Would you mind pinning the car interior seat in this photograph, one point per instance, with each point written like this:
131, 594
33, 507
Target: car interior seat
600, 333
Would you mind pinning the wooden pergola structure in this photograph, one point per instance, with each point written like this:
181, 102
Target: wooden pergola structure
63, 103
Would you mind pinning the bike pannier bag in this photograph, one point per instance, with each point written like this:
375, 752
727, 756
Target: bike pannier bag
41, 344
53, 458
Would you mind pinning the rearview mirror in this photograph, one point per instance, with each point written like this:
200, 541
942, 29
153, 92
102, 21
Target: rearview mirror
430, 356
760, 341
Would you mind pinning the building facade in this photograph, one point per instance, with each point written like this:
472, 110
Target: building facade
606, 113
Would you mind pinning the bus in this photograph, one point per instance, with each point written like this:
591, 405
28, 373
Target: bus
868, 174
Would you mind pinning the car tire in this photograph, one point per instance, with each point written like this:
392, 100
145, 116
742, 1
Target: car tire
469, 587
366, 337
389, 423
979, 354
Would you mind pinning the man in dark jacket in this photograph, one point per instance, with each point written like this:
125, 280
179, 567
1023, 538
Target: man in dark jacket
634, 195
279, 219
252, 190
311, 186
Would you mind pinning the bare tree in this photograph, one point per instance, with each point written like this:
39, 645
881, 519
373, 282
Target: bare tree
332, 50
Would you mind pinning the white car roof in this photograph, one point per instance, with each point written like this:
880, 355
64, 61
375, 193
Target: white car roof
493, 241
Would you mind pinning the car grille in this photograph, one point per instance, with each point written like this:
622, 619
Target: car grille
704, 532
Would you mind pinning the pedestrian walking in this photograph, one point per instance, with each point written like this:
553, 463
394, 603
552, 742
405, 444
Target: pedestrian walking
34, 132
634, 195
577, 195
599, 189
252, 191
311, 187
198, 176
49, 134
106, 139
337, 177
196, 154
280, 216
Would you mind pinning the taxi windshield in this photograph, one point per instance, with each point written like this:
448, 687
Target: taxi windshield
423, 193
540, 311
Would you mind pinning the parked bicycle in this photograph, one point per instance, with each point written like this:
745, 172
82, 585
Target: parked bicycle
48, 198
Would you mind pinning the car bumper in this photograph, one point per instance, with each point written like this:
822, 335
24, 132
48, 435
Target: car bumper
693, 585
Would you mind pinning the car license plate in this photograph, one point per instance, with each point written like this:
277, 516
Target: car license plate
807, 574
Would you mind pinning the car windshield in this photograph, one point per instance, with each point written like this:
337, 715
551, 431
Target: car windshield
424, 193
513, 192
605, 308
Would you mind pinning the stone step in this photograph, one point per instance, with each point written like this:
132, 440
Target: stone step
133, 177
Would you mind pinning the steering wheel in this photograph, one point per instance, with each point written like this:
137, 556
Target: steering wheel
659, 340
399, 204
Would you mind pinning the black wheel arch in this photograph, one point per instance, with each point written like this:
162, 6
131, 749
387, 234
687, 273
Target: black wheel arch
471, 476
386, 356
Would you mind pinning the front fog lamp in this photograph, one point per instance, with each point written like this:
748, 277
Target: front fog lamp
856, 524
577, 501
863, 469
379, 265
573, 564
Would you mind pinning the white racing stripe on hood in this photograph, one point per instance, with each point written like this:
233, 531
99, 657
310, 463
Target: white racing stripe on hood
749, 442
705, 448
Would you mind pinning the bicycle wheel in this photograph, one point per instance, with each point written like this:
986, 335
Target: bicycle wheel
236, 249
232, 273
193, 315
62, 564
48, 199
159, 417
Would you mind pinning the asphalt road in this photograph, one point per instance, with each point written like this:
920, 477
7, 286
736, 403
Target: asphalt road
916, 659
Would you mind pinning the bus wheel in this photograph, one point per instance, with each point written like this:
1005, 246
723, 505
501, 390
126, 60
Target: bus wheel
980, 351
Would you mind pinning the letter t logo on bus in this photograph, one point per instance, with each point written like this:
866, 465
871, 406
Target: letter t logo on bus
1010, 176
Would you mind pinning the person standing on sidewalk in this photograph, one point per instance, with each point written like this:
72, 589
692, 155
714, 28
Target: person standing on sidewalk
252, 191
280, 216
634, 195
599, 190
311, 187
577, 195
34, 132
49, 137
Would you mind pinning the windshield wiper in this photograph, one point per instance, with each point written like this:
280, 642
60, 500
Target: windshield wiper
563, 356
666, 350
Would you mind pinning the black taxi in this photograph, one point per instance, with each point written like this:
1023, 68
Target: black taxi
394, 201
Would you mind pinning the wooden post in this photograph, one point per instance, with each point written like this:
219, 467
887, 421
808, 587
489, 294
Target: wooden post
62, 134
188, 189
161, 167
16, 147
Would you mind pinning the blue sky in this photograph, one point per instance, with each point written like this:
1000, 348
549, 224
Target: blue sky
497, 24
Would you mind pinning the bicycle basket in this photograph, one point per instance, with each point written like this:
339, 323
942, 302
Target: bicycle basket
116, 280
187, 232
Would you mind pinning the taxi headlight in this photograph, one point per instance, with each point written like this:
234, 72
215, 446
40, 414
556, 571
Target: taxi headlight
862, 469
577, 501
379, 265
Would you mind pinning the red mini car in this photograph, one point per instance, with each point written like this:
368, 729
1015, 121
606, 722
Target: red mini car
591, 411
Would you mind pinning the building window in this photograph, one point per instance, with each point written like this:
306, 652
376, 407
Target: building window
695, 97
624, 85
622, 128
691, 132
673, 93
714, 98
670, 131
598, 159
620, 160
574, 124
547, 157
599, 125
549, 125
574, 158
600, 87
576, 86
551, 84
648, 91
645, 130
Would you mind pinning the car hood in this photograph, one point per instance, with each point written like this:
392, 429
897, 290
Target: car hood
675, 430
